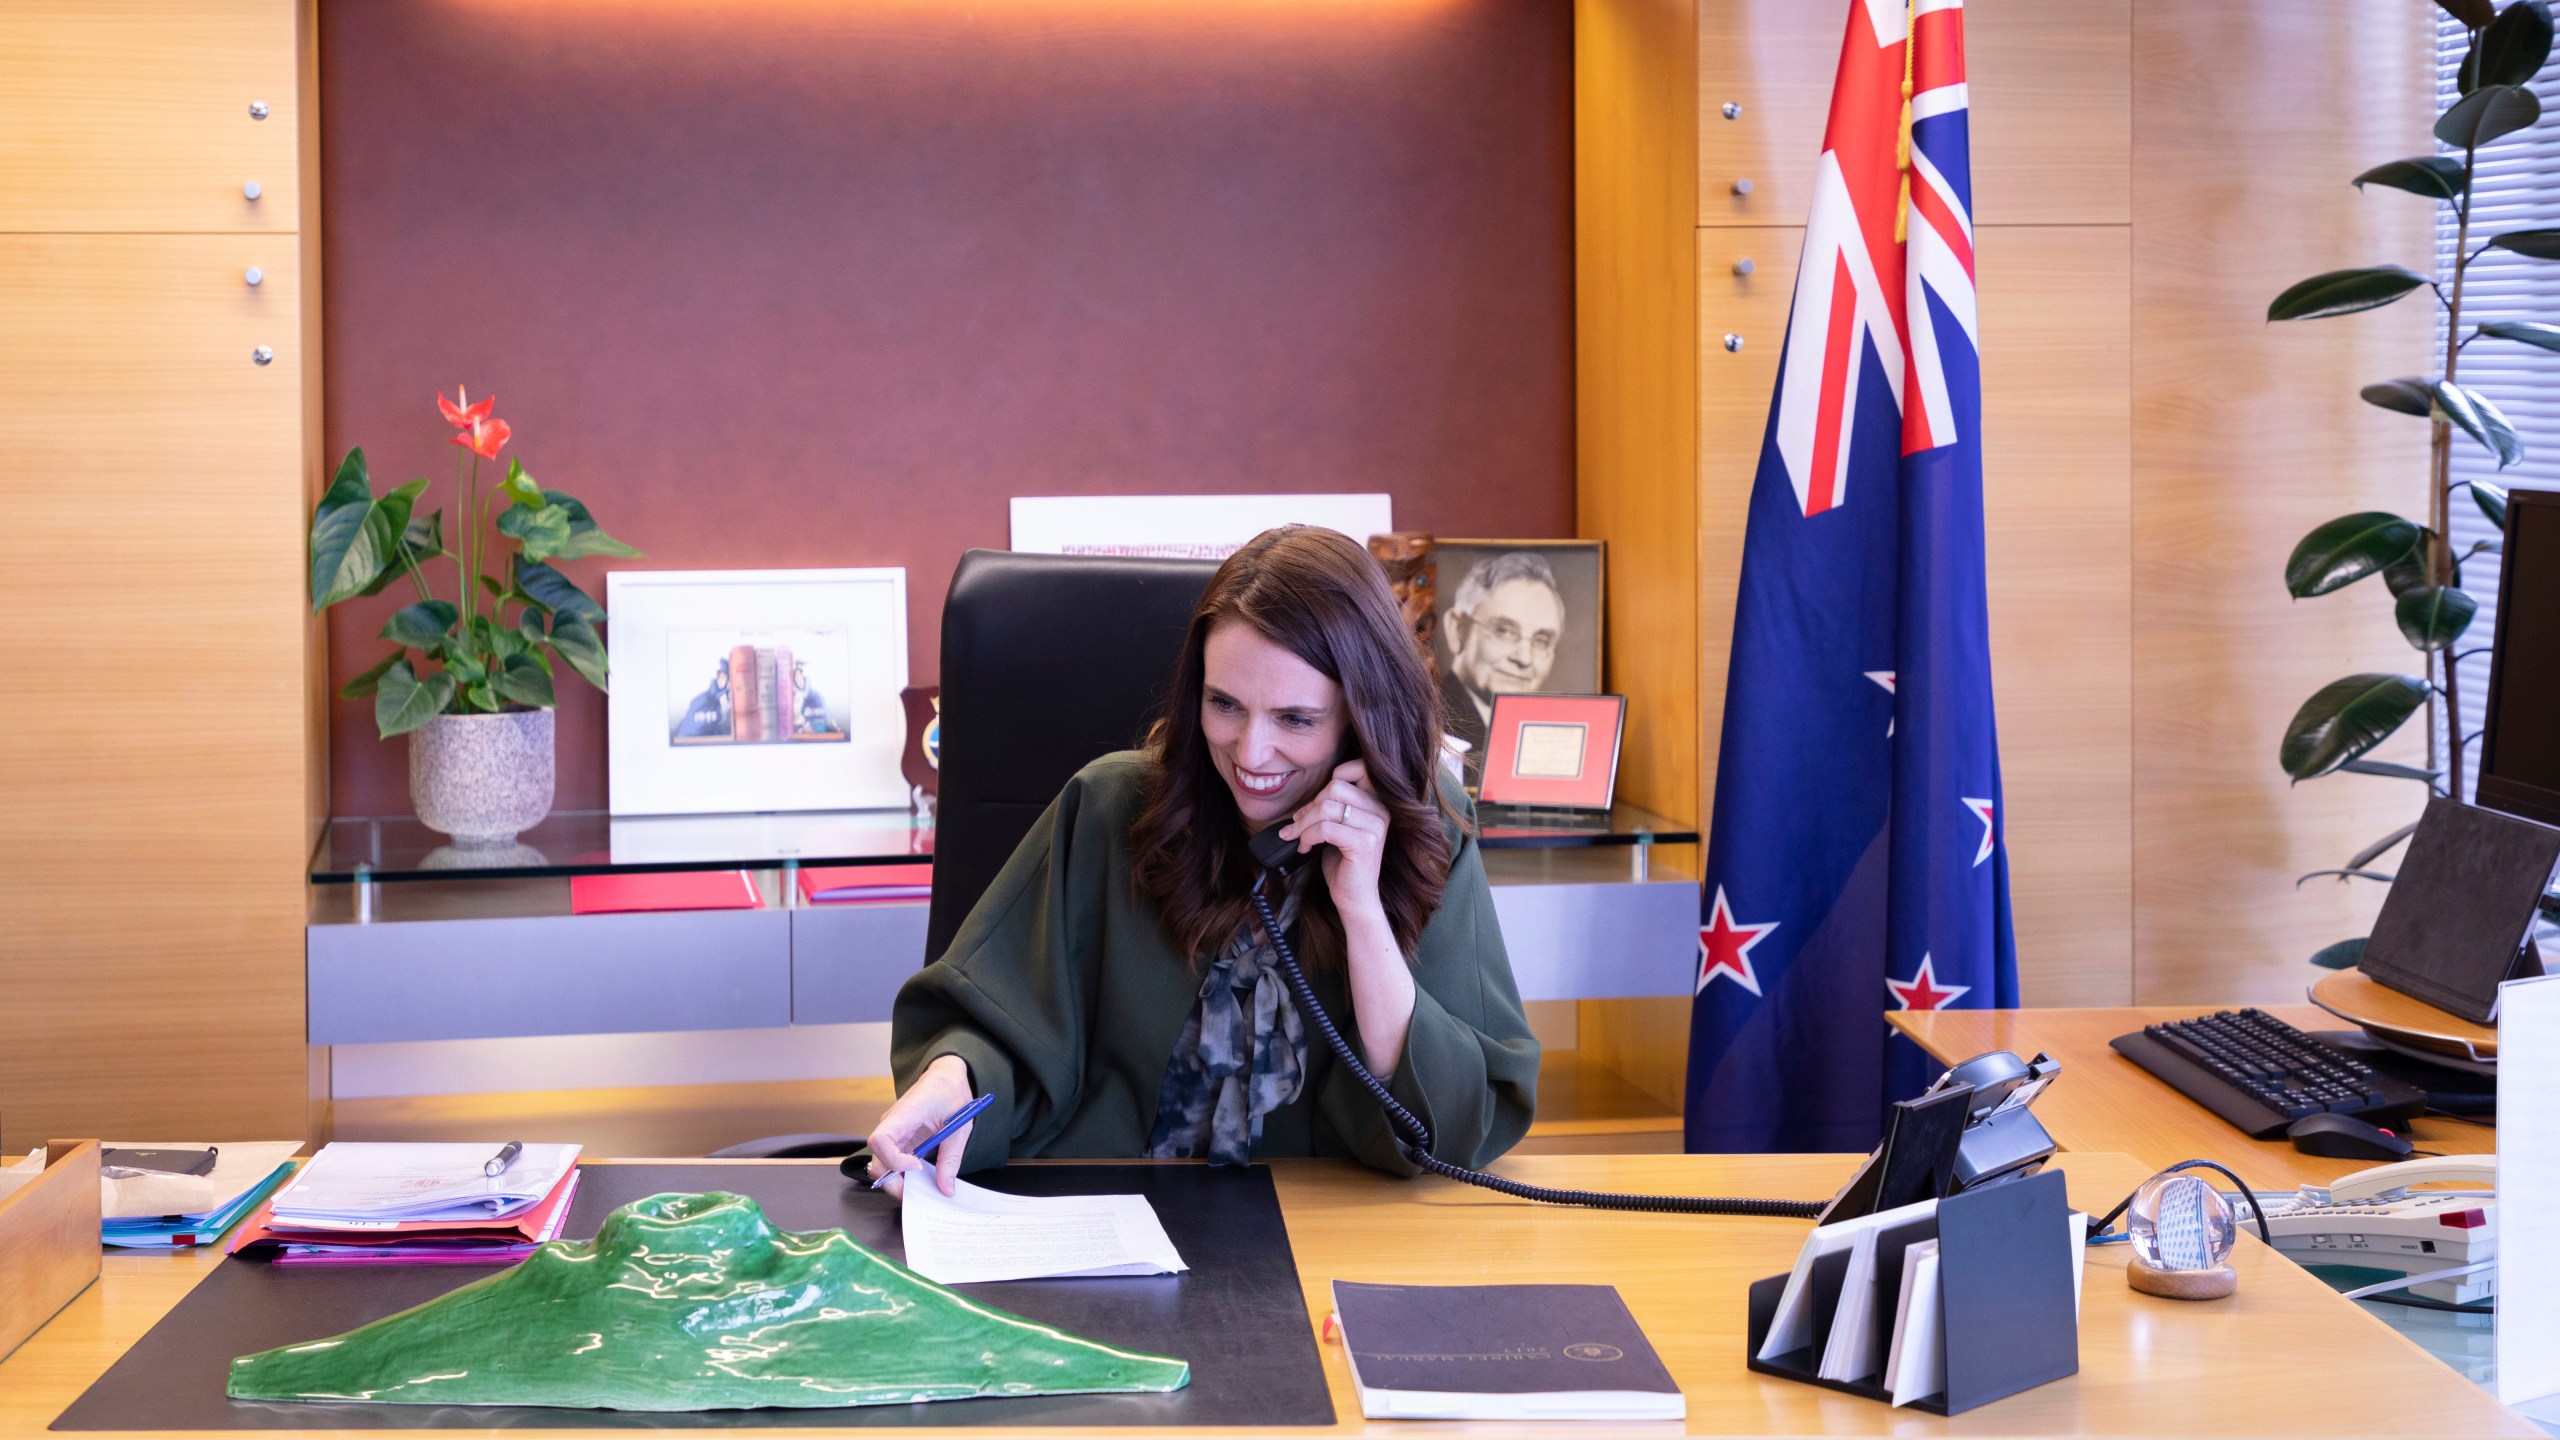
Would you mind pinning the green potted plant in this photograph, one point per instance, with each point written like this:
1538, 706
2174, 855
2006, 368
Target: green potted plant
470, 684
2346, 718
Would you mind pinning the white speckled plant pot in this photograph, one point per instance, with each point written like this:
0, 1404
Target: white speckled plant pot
482, 778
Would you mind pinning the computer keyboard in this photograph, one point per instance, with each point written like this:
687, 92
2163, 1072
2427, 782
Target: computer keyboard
2261, 1074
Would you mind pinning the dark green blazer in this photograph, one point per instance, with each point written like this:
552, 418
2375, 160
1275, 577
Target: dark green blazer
1065, 996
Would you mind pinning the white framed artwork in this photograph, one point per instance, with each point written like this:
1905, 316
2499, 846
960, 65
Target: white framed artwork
1184, 527
755, 690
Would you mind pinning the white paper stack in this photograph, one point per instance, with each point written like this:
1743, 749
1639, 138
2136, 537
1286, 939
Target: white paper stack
979, 1235
352, 1184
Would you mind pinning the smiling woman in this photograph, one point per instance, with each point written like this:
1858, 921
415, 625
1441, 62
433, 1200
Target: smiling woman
1110, 990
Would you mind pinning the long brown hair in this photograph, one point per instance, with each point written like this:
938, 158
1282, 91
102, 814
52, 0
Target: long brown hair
1317, 595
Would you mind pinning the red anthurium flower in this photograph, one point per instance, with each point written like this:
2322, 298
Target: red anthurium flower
464, 415
484, 437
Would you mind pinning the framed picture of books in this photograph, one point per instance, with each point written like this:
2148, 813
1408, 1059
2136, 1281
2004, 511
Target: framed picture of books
1554, 752
756, 690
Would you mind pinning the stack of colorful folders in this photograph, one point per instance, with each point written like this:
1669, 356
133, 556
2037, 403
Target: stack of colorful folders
242, 1176
390, 1204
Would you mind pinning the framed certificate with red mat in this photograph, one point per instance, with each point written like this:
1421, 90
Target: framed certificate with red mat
1553, 752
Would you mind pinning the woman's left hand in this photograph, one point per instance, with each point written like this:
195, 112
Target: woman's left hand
1347, 817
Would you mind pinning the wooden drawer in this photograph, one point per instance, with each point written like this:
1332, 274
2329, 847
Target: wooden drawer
133, 115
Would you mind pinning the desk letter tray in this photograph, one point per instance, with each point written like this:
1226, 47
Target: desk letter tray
2007, 1315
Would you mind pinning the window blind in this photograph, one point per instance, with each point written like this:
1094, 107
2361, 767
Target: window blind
2515, 186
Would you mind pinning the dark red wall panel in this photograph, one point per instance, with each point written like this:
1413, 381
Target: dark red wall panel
824, 282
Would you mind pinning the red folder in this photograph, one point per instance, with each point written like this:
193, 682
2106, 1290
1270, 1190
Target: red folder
677, 890
837, 884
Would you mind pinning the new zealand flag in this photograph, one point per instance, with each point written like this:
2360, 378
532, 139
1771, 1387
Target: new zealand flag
1854, 862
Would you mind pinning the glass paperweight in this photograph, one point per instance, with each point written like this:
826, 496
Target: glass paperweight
2181, 1223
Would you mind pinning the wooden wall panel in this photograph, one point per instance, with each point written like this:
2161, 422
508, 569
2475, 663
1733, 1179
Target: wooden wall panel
2049, 80
2250, 121
2057, 323
1636, 430
151, 557
134, 115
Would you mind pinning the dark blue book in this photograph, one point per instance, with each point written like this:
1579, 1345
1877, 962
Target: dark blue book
1500, 1352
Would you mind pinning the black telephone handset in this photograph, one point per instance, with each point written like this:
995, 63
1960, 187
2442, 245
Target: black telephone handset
1273, 851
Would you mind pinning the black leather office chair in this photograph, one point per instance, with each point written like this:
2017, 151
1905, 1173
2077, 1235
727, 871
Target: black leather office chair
1048, 661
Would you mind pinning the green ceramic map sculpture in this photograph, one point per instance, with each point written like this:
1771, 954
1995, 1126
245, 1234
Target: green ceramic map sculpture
696, 1302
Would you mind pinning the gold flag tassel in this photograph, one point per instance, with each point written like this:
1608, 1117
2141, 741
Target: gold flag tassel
1902, 139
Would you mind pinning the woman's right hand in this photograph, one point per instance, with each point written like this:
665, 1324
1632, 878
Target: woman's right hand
939, 1093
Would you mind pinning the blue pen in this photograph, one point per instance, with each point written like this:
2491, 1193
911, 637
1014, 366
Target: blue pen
924, 1151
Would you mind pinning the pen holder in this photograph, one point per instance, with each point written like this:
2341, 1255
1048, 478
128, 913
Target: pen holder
2008, 1307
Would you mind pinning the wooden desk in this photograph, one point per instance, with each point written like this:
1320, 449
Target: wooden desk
2285, 1357
2102, 1101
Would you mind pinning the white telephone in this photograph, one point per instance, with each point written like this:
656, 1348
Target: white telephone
2372, 1218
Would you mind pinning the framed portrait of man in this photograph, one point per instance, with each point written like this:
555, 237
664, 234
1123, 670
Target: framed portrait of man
1517, 617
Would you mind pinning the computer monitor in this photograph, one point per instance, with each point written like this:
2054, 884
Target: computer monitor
2520, 743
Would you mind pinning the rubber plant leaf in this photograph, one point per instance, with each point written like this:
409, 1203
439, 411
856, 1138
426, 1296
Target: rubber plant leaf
2486, 114
365, 683
2407, 394
2411, 570
2474, 14
575, 641
2391, 769
2492, 501
2438, 177
423, 626
2345, 718
2342, 956
2344, 292
2532, 244
586, 537
2476, 416
2348, 549
2381, 847
2434, 616
552, 591
403, 702
2528, 331
2513, 47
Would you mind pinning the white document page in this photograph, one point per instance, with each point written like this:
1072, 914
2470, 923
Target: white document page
238, 1166
1791, 1328
1919, 1366
354, 1183
2528, 1189
979, 1234
1850, 1352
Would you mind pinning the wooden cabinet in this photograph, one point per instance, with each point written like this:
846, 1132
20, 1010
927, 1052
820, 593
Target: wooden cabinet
134, 115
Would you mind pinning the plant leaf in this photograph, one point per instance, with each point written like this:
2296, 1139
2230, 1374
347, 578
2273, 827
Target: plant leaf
2492, 501
2411, 570
525, 682
2473, 414
423, 626
345, 552
2513, 46
551, 590
2487, 113
586, 537
404, 702
519, 486
2341, 956
2532, 244
575, 641
2392, 770
2528, 331
2346, 550
2345, 718
421, 542
2438, 177
365, 684
2383, 876
2466, 76
2343, 292
2434, 616
2381, 847
2408, 394
542, 529
2474, 14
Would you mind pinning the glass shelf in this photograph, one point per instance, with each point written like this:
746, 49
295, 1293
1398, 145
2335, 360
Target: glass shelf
591, 842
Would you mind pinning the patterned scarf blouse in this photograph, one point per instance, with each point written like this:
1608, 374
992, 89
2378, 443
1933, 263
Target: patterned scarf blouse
1243, 1052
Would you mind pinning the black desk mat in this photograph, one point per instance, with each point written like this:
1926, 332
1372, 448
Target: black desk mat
1238, 1316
